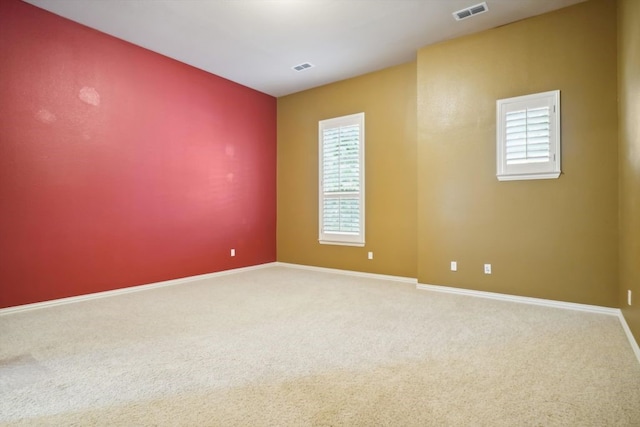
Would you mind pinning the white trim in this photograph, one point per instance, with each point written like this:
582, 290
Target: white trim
517, 177
527, 171
338, 238
481, 294
523, 300
630, 337
542, 302
128, 290
435, 288
348, 272
331, 242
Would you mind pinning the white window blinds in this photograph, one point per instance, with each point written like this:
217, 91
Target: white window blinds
528, 137
342, 180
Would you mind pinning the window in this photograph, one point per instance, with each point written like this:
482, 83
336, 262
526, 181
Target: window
341, 143
528, 137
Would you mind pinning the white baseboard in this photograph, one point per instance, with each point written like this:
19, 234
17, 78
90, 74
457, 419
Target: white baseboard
523, 300
435, 288
543, 302
349, 272
627, 330
121, 291
482, 294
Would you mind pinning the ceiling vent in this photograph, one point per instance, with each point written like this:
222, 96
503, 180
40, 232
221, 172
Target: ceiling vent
303, 67
470, 11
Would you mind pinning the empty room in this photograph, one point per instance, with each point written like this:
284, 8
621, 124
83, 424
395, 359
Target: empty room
320, 212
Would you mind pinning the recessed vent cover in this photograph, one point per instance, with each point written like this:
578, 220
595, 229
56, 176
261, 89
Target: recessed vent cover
470, 11
303, 67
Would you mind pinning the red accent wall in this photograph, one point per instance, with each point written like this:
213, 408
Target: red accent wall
120, 167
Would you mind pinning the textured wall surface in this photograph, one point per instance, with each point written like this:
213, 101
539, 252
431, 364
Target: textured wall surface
389, 102
554, 239
629, 89
121, 167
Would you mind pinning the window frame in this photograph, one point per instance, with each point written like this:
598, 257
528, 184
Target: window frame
342, 238
527, 171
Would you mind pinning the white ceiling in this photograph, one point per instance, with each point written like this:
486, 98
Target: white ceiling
256, 42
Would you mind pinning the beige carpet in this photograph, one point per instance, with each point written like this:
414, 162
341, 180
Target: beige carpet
288, 347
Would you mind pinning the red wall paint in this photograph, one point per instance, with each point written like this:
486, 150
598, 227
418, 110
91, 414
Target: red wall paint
121, 167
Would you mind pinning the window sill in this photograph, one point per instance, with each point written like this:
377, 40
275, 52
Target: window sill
528, 176
331, 242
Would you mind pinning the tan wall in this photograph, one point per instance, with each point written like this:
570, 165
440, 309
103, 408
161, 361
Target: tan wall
629, 90
553, 239
388, 99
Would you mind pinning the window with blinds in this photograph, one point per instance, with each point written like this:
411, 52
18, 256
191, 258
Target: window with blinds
341, 152
528, 137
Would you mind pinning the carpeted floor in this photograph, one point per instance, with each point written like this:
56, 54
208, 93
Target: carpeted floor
289, 347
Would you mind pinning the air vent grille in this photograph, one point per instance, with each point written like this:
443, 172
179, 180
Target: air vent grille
302, 67
470, 11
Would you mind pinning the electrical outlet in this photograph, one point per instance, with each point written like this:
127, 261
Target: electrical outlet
629, 297
370, 255
454, 266
487, 269
233, 252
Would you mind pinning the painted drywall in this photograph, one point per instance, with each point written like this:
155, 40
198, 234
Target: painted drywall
629, 131
554, 239
121, 167
388, 100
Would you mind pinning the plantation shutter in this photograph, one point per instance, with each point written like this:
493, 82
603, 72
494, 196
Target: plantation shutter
341, 180
528, 136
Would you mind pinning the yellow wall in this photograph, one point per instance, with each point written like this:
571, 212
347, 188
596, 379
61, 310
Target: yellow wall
388, 99
554, 239
432, 193
629, 126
